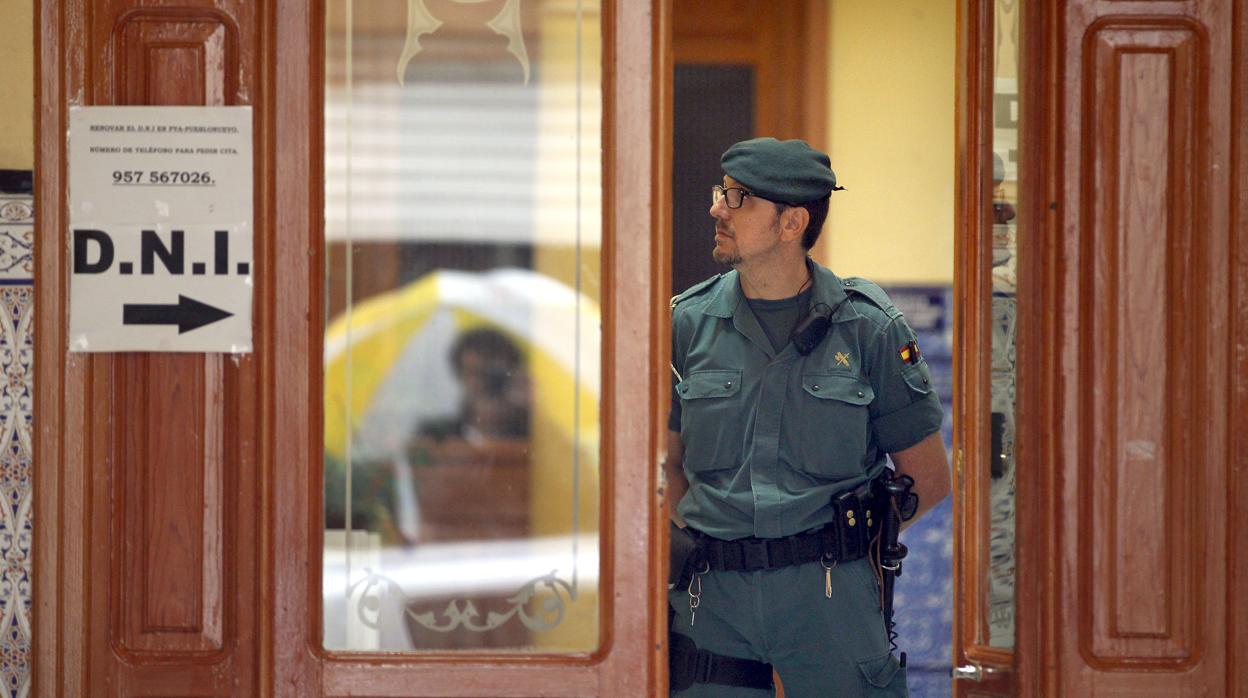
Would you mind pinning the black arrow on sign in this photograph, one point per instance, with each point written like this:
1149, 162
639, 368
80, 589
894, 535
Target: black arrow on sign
188, 314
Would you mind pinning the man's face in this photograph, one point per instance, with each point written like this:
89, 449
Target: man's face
496, 393
747, 233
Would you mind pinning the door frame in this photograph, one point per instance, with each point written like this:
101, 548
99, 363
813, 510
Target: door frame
1017, 671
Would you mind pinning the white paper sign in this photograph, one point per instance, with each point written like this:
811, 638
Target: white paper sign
160, 229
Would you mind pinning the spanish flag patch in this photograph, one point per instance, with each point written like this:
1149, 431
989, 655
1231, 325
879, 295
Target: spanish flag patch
910, 352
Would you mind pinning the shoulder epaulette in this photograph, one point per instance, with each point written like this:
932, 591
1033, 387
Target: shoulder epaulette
872, 293
694, 290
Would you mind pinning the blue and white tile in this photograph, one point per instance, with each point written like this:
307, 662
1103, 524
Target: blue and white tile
16, 396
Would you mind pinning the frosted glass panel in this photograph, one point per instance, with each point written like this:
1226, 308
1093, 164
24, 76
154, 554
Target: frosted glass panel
462, 343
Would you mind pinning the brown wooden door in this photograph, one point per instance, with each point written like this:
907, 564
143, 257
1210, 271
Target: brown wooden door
1141, 382
1131, 381
178, 549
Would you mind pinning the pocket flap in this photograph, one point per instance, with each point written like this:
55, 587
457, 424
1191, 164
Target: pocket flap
880, 671
700, 384
835, 386
918, 377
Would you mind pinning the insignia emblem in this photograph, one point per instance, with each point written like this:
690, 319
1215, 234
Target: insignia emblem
909, 352
842, 358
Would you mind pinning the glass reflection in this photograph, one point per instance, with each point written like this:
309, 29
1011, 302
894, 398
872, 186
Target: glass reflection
1004, 282
461, 367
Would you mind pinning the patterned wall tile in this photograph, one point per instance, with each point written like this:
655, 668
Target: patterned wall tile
17, 237
16, 394
924, 592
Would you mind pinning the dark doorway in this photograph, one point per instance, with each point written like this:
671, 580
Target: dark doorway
745, 70
713, 107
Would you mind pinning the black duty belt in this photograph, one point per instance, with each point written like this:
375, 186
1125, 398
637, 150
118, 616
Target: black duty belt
845, 538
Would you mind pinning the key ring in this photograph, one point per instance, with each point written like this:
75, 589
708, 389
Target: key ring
695, 597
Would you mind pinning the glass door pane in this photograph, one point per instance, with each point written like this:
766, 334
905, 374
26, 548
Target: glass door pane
1004, 204
462, 344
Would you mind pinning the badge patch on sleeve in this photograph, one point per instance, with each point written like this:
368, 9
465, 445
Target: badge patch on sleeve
909, 352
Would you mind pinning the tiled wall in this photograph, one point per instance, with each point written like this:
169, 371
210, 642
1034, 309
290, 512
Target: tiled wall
924, 592
16, 395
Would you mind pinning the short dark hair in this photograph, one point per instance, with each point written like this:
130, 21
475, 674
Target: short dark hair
487, 341
818, 212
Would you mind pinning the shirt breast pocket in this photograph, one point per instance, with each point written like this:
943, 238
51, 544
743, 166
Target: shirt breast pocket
710, 417
833, 424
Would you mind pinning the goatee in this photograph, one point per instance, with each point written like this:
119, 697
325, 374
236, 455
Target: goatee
728, 258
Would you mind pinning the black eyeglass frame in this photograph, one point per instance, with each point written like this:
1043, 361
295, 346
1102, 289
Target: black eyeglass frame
719, 191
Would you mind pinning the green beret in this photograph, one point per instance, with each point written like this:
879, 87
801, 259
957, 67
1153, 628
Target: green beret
790, 172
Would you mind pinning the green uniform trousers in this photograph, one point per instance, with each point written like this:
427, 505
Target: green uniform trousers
819, 646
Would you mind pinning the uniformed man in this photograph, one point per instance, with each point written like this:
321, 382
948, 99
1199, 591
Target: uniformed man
781, 428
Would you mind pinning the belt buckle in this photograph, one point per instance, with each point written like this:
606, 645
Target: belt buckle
754, 555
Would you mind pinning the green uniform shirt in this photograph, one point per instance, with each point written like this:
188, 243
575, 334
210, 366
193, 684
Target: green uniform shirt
770, 436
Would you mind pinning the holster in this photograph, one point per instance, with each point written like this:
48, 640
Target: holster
687, 665
684, 558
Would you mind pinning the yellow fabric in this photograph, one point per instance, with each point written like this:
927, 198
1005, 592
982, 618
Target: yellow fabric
379, 329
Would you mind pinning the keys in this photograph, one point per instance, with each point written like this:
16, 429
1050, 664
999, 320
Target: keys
695, 597
827, 576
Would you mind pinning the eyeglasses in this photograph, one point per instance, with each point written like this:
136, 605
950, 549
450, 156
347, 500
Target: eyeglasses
734, 196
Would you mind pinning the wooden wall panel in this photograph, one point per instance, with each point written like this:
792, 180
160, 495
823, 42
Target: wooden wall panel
1140, 371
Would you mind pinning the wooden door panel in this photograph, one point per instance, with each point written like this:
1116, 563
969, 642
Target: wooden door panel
1146, 316
165, 442
179, 551
166, 507
175, 55
1139, 434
